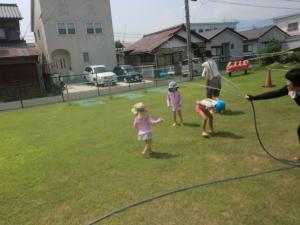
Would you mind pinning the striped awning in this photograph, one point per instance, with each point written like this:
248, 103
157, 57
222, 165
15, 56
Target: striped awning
10, 11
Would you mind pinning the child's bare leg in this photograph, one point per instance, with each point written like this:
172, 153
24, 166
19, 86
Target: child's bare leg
150, 146
204, 115
147, 149
174, 118
211, 123
204, 124
180, 117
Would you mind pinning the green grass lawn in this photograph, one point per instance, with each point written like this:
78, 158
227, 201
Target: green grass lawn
68, 164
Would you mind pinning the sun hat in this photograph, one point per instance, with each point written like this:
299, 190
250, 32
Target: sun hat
173, 84
138, 107
220, 106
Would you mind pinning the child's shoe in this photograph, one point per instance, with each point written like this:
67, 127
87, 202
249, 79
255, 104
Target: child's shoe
204, 134
211, 132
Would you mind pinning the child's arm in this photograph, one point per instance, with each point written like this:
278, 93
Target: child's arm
168, 100
154, 122
180, 99
135, 122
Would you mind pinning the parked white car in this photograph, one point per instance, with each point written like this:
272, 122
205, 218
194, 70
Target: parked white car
99, 75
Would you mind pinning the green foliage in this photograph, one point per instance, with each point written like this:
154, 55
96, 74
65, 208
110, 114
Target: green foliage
273, 46
118, 44
290, 57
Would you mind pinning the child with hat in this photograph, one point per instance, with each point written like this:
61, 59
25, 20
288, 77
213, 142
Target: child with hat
143, 122
205, 109
174, 102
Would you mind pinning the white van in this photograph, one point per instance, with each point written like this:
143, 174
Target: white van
99, 75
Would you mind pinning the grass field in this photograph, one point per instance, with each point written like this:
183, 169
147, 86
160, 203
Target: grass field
68, 164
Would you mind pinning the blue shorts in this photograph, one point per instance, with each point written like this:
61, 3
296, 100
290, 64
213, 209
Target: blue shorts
146, 136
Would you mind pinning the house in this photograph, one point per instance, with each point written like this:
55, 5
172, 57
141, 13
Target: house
72, 34
19, 68
164, 47
225, 43
291, 43
289, 23
206, 27
258, 38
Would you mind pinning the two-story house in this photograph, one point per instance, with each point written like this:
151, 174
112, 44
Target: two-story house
10, 25
288, 23
19, 68
291, 25
72, 34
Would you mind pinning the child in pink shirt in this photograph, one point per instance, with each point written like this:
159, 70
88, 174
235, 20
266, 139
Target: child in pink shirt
143, 122
174, 102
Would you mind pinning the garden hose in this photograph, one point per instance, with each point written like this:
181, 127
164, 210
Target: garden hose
284, 161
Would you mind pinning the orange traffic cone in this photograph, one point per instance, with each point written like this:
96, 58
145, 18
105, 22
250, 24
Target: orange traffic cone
268, 81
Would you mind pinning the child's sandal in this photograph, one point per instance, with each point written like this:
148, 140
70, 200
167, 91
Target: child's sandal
204, 134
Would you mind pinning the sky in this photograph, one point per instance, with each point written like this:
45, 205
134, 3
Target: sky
133, 18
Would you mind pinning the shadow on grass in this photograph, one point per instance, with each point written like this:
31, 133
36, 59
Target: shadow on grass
163, 155
233, 113
192, 124
226, 134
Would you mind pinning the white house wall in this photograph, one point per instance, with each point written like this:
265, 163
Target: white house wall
100, 47
283, 24
228, 37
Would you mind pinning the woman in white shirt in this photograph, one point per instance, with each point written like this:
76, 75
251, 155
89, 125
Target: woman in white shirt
212, 76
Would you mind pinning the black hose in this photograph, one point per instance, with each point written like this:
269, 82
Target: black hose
284, 161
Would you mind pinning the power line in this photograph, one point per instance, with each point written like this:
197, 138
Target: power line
252, 5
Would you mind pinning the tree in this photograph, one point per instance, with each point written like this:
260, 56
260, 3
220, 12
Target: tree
273, 46
118, 44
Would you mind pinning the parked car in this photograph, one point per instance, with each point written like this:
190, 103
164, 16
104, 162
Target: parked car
127, 73
100, 75
197, 67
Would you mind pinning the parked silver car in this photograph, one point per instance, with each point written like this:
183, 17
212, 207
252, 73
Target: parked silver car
99, 75
197, 67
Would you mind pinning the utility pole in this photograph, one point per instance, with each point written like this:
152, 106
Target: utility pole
188, 32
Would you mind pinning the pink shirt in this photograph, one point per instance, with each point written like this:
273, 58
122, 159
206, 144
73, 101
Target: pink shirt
174, 100
144, 126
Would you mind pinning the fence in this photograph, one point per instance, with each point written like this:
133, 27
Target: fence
74, 87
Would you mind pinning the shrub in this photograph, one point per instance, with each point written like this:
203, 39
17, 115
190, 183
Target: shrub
272, 47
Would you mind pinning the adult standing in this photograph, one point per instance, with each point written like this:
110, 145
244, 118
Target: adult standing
292, 88
212, 76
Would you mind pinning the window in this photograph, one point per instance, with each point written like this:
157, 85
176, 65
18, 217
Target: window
206, 30
89, 28
218, 51
200, 30
88, 69
86, 57
98, 28
147, 58
61, 27
92, 28
248, 48
232, 46
293, 26
71, 28
2, 33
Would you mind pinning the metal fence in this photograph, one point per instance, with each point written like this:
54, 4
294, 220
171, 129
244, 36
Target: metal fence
74, 87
